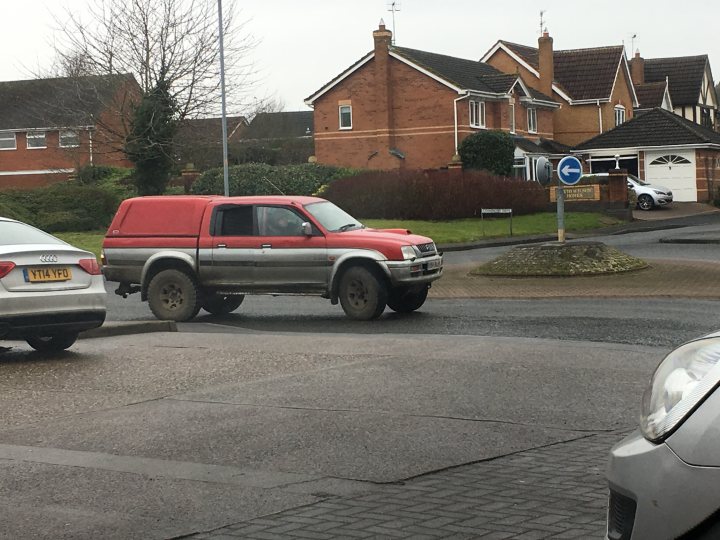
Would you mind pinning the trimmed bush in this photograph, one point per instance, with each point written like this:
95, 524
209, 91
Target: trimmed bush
433, 195
68, 206
492, 151
263, 179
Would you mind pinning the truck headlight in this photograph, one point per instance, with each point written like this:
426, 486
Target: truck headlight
408, 252
679, 385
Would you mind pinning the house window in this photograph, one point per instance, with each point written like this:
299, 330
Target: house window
345, 116
705, 117
69, 139
532, 120
619, 115
7, 140
520, 168
35, 139
477, 114
512, 118
670, 159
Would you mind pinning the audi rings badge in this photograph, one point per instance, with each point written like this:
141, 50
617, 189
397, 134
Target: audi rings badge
48, 258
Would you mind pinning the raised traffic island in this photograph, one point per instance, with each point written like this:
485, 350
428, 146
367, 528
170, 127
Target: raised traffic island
577, 258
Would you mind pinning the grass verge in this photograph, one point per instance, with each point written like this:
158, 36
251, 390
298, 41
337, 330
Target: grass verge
469, 230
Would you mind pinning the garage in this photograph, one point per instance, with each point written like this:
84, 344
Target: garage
675, 170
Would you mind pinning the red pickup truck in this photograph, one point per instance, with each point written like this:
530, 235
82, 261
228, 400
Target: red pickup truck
186, 253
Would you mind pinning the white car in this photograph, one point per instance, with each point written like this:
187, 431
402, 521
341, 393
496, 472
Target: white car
50, 291
664, 479
648, 195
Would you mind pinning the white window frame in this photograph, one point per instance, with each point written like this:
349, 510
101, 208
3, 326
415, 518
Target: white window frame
477, 113
512, 118
35, 135
619, 115
340, 116
532, 120
66, 131
6, 136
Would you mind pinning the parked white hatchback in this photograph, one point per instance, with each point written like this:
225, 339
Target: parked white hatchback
649, 195
50, 291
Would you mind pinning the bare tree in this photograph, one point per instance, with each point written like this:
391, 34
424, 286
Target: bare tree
173, 42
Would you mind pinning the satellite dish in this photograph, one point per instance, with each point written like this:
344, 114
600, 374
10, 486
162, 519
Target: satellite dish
543, 171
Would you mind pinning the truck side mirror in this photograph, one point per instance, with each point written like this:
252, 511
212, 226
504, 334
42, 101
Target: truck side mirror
307, 229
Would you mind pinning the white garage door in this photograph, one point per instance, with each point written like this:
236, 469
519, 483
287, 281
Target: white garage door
674, 170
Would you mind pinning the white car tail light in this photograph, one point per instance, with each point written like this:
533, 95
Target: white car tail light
5, 268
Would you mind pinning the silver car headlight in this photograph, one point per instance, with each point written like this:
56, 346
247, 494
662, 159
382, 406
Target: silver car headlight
680, 383
408, 252
658, 192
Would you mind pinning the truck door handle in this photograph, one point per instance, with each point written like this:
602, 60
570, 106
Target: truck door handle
263, 246
222, 245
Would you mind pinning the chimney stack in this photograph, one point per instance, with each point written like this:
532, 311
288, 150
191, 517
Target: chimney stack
383, 40
546, 63
637, 69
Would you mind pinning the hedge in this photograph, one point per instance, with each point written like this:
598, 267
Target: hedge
263, 179
67, 206
433, 195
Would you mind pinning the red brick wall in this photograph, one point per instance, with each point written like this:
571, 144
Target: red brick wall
707, 165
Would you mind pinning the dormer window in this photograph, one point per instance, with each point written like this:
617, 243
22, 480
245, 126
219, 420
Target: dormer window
477, 114
619, 115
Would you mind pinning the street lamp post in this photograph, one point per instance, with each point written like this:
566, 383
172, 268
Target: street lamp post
226, 181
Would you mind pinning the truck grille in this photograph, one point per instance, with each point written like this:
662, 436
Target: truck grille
621, 516
427, 249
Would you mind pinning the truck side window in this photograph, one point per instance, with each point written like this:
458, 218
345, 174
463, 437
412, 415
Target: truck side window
236, 221
278, 221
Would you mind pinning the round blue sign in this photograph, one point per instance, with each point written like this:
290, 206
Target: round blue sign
569, 170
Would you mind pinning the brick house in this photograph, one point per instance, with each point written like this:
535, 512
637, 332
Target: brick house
400, 108
593, 85
669, 150
688, 81
50, 127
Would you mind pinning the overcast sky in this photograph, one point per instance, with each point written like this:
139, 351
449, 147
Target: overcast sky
305, 43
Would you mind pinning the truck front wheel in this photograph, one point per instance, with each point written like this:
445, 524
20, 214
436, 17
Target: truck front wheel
407, 299
362, 294
220, 304
173, 296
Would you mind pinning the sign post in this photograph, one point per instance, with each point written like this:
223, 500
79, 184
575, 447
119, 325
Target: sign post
569, 173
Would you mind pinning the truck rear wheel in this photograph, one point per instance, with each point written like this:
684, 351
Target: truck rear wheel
407, 299
173, 296
362, 294
220, 304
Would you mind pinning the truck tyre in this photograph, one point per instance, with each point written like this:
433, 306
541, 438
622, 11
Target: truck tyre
407, 299
173, 296
54, 343
220, 304
362, 294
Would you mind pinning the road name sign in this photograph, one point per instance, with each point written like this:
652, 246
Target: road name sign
569, 170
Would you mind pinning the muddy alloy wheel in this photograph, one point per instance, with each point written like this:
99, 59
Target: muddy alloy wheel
645, 202
407, 299
55, 343
173, 296
219, 304
363, 294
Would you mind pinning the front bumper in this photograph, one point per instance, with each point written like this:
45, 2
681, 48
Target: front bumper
670, 496
663, 200
416, 271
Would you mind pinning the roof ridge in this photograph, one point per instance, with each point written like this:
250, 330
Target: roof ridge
601, 48
396, 48
705, 56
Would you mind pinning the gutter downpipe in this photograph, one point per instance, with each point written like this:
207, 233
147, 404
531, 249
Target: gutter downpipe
599, 116
455, 102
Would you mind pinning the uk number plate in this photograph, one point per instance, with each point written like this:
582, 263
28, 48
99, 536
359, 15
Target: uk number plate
44, 275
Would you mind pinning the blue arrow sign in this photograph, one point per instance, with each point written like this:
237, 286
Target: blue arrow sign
569, 170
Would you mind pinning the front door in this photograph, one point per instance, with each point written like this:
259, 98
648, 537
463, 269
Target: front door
289, 260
